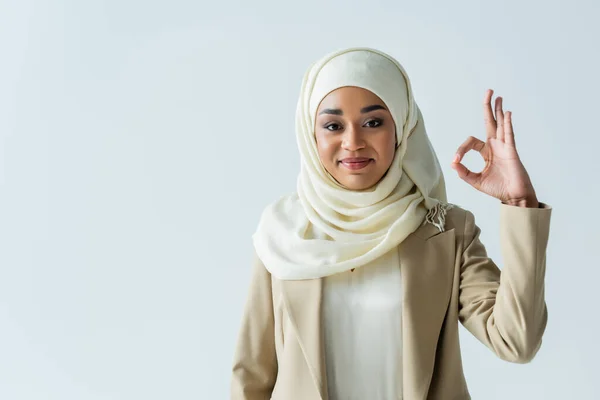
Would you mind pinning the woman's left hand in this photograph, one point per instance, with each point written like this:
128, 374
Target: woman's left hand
504, 176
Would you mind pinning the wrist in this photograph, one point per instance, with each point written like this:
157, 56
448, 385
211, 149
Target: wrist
528, 203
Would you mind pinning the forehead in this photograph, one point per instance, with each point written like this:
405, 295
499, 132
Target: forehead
348, 97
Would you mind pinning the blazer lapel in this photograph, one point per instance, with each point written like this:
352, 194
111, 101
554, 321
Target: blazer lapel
303, 302
426, 263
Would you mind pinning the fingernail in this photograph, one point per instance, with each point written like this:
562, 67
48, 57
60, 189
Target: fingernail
456, 158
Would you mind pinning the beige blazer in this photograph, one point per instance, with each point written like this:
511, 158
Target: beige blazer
447, 278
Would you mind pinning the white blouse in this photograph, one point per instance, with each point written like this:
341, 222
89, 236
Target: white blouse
362, 323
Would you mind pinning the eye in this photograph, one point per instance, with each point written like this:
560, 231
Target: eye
377, 122
330, 125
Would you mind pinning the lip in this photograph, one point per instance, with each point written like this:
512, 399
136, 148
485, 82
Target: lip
355, 163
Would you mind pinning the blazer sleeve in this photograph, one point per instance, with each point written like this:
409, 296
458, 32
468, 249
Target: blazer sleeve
255, 360
506, 310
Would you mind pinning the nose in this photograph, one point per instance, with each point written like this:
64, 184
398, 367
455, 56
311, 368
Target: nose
352, 139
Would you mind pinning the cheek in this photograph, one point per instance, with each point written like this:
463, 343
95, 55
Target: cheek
326, 149
392, 147
390, 144
385, 146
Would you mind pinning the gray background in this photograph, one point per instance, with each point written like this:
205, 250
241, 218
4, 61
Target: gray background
140, 140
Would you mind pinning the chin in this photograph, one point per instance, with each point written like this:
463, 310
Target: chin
358, 184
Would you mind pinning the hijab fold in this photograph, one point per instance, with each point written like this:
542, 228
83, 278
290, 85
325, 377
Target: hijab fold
324, 228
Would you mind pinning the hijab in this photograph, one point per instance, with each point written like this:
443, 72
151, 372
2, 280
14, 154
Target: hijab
323, 228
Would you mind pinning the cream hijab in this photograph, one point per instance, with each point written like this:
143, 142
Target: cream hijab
324, 228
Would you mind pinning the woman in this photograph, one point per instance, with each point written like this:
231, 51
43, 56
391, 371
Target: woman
361, 276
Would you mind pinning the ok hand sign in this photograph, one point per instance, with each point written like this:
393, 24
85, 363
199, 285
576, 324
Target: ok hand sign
504, 176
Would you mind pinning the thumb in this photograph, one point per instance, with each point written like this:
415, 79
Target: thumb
466, 175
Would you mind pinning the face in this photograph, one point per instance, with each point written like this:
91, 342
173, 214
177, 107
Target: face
356, 137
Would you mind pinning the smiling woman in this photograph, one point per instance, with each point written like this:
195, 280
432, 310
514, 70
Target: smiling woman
361, 277
356, 137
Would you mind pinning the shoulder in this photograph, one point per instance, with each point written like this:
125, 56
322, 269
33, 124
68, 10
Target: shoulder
457, 222
458, 217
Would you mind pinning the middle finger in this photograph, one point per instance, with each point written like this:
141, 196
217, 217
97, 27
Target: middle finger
499, 119
488, 115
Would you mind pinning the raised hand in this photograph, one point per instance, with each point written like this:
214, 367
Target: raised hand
504, 176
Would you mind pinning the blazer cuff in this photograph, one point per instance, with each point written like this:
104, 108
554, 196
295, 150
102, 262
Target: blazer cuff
543, 206
517, 221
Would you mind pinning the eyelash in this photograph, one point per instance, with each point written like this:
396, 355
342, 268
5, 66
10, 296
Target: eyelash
379, 123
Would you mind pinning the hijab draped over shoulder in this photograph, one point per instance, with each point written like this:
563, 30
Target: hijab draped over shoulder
324, 228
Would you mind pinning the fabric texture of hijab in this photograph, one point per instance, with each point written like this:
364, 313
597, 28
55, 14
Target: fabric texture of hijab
324, 228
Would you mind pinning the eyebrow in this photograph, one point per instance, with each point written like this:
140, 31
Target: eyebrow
364, 110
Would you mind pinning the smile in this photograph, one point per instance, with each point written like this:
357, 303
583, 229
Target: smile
355, 165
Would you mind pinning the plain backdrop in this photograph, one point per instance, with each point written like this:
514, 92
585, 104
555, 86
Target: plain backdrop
140, 141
